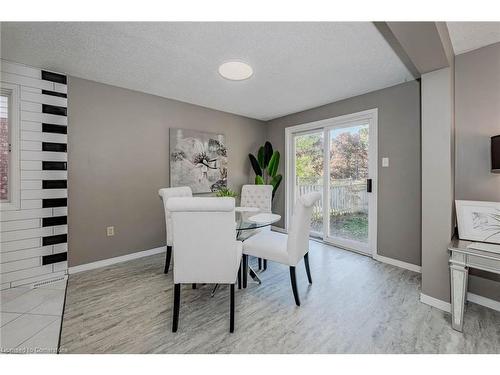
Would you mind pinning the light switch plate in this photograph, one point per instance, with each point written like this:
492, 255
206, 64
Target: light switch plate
385, 162
110, 231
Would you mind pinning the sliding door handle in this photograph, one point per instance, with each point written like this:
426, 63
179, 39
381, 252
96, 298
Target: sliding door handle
369, 185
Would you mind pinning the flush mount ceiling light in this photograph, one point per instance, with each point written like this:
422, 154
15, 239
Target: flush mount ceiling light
235, 70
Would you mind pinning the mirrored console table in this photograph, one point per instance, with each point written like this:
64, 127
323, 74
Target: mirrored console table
465, 255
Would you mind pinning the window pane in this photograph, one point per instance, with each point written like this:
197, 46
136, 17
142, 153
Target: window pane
348, 174
4, 148
309, 173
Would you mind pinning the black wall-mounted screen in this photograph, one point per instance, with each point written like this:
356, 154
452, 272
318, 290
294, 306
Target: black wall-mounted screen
495, 154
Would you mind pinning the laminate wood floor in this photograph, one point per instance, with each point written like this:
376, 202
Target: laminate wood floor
355, 305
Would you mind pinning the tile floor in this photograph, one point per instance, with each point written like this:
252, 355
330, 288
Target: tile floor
30, 318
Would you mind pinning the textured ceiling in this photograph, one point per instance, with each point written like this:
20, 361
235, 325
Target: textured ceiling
296, 65
467, 36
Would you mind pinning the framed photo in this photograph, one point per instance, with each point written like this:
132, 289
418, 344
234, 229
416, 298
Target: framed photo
478, 221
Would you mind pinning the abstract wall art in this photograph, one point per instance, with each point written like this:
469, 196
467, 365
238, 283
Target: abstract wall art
198, 159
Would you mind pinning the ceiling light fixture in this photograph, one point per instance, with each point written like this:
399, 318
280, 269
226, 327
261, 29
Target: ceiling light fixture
235, 70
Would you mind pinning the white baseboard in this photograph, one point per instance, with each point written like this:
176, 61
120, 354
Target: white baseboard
471, 297
380, 258
483, 301
110, 261
278, 229
398, 263
434, 302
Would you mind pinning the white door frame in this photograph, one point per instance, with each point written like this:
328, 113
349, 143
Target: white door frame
371, 116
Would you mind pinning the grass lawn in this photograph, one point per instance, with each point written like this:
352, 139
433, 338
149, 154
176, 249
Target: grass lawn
349, 226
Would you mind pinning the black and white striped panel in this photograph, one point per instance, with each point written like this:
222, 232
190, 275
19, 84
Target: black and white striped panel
56, 145
33, 235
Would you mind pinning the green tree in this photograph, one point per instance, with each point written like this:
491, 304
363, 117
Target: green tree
309, 157
349, 155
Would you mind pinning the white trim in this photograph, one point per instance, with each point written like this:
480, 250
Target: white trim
288, 170
398, 263
380, 258
483, 301
278, 229
325, 125
434, 302
471, 297
115, 260
14, 202
362, 115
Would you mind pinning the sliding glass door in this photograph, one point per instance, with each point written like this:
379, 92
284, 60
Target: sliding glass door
348, 180
337, 157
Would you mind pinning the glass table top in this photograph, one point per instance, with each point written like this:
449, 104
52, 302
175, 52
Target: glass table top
248, 218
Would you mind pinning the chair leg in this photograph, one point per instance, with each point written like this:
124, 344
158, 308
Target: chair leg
239, 277
260, 263
193, 286
177, 301
293, 279
308, 270
231, 309
245, 270
167, 259
265, 265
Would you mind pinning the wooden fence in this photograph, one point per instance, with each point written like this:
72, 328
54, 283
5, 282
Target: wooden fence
346, 196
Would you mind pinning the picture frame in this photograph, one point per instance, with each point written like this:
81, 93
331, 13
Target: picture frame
478, 221
198, 159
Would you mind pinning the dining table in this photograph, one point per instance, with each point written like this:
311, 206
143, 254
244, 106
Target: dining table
248, 222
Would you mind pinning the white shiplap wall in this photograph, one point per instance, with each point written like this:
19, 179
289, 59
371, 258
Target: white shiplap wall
21, 230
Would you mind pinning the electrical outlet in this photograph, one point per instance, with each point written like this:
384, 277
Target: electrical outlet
110, 231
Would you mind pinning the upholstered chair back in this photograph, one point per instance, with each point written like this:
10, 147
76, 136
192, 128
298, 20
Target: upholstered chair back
257, 196
298, 233
166, 194
204, 235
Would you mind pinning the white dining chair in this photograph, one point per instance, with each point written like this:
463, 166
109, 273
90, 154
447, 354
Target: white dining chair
165, 195
287, 249
206, 249
260, 196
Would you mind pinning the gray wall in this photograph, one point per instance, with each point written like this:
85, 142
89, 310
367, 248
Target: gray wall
477, 98
399, 189
437, 181
477, 110
118, 151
